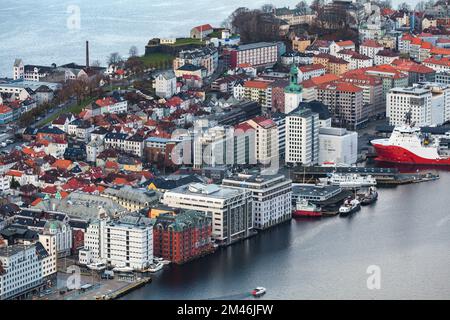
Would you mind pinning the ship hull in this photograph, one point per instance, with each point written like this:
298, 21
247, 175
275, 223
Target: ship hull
396, 154
306, 213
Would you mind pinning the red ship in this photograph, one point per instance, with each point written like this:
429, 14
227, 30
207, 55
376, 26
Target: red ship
407, 146
306, 209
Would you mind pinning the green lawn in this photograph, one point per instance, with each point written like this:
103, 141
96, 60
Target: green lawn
186, 41
156, 59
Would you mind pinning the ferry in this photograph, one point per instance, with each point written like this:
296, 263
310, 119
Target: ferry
406, 145
258, 292
350, 206
350, 180
304, 208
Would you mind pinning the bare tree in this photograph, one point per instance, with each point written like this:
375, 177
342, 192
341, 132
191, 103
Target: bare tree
302, 7
404, 7
267, 8
133, 51
114, 58
228, 22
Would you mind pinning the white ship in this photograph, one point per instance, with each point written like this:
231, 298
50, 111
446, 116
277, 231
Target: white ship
350, 180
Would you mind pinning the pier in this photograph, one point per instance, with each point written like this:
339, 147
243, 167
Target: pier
384, 176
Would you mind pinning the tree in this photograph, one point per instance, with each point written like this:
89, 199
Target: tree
302, 7
267, 8
228, 22
114, 58
133, 51
14, 184
404, 7
316, 5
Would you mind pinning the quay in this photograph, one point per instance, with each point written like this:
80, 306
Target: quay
383, 176
127, 289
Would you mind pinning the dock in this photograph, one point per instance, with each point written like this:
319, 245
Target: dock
127, 289
384, 176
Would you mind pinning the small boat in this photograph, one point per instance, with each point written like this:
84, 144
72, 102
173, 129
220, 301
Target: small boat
155, 267
304, 208
258, 292
97, 266
350, 206
123, 269
370, 197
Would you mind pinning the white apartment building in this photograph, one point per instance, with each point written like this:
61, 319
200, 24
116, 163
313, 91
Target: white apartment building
280, 121
302, 137
255, 54
121, 141
414, 99
166, 84
385, 57
370, 48
127, 242
310, 71
355, 60
5, 182
337, 145
20, 270
266, 140
230, 209
272, 197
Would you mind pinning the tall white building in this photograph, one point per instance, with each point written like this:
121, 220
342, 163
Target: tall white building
272, 197
20, 269
302, 137
127, 242
266, 140
402, 100
166, 84
337, 145
230, 209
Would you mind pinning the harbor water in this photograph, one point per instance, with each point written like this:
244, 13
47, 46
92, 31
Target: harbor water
405, 235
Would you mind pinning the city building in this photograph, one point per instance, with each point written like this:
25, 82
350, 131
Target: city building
166, 84
127, 242
132, 199
182, 237
21, 270
258, 54
337, 145
370, 48
272, 203
230, 209
429, 103
205, 57
266, 140
255, 90
345, 102
302, 137
414, 99
385, 56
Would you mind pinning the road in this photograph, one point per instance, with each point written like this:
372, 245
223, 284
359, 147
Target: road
56, 110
